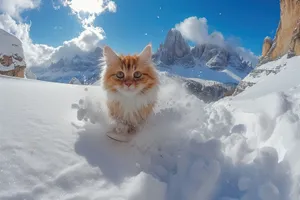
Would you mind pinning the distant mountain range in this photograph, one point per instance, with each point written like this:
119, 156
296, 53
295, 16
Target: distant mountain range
176, 51
221, 64
85, 68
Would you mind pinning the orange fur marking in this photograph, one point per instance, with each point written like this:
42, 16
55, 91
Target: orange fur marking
132, 97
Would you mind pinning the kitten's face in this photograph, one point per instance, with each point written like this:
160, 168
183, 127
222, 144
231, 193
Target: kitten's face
129, 74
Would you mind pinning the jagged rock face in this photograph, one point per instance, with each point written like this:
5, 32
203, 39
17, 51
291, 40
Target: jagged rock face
259, 73
206, 90
297, 46
12, 62
266, 46
287, 39
174, 49
218, 58
215, 57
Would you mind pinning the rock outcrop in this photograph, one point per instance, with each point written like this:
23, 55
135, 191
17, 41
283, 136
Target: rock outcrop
207, 91
287, 38
75, 81
260, 73
176, 51
266, 46
285, 45
12, 61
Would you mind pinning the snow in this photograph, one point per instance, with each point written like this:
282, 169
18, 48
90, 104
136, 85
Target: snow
53, 144
228, 75
10, 45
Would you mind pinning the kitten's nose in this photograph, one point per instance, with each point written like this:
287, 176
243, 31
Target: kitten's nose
128, 83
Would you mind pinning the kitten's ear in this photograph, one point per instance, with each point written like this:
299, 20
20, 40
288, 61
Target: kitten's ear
146, 54
110, 56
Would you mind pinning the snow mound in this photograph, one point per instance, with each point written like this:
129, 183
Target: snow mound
10, 47
239, 148
267, 70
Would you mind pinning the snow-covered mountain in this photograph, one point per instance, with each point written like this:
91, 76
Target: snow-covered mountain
206, 61
176, 51
85, 68
244, 147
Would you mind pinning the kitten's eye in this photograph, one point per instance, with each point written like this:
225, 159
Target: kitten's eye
137, 75
120, 75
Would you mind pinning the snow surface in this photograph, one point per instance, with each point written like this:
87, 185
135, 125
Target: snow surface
270, 68
53, 144
228, 75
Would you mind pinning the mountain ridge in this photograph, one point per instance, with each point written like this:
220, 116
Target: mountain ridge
174, 52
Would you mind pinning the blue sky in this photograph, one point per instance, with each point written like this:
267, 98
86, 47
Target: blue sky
126, 29
128, 25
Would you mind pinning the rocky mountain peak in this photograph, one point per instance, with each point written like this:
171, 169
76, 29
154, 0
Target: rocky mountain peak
287, 38
176, 51
173, 49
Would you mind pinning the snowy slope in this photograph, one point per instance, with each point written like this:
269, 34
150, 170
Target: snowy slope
239, 148
262, 71
228, 75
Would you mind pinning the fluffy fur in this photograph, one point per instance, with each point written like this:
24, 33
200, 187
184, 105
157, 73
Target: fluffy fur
131, 84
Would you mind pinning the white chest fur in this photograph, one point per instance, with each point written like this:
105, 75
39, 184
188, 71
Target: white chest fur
132, 103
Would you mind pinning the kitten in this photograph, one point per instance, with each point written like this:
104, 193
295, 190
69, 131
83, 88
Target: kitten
131, 84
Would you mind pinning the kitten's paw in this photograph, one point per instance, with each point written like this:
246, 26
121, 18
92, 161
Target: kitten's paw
121, 128
120, 137
122, 132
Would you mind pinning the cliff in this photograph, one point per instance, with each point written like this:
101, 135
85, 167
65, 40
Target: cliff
287, 38
12, 61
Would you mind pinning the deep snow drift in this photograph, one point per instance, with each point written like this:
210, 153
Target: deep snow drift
239, 148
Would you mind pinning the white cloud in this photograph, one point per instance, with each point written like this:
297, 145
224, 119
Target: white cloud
88, 10
112, 7
86, 41
56, 4
35, 54
43, 55
247, 55
15, 7
196, 30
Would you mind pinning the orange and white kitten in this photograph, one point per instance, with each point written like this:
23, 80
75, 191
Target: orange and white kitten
131, 84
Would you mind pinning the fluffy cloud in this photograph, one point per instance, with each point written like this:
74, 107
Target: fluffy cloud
43, 55
56, 4
86, 41
15, 7
88, 10
247, 55
196, 30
